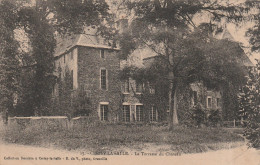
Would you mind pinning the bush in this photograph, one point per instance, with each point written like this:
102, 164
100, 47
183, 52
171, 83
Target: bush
250, 107
187, 119
199, 115
214, 117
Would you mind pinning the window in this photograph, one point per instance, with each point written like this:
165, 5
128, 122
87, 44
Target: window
153, 114
139, 87
102, 53
139, 113
126, 113
64, 59
209, 102
151, 88
218, 102
103, 112
126, 86
103, 79
194, 97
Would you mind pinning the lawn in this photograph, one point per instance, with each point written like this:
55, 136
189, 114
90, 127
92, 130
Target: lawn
121, 137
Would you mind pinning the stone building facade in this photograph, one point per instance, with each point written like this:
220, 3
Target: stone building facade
94, 67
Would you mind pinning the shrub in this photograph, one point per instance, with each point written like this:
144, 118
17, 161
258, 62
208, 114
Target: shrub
250, 107
199, 115
188, 119
214, 117
252, 133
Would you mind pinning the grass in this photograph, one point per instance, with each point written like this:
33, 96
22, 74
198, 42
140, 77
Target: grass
115, 137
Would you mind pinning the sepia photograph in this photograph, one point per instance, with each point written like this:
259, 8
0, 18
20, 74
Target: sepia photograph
130, 82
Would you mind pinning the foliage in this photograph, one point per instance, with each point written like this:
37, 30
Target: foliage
253, 32
250, 106
230, 102
70, 102
74, 15
215, 117
41, 36
9, 63
199, 115
81, 104
26, 97
159, 20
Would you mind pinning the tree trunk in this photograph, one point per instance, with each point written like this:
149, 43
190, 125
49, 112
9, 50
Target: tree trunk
5, 116
173, 116
175, 120
170, 104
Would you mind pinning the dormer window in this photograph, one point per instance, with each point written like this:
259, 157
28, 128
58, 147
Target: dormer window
102, 53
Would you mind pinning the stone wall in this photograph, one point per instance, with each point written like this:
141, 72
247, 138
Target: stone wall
49, 122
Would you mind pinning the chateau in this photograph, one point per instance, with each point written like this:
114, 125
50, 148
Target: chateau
94, 67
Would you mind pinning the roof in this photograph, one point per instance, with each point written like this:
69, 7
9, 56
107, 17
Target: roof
227, 35
246, 61
64, 44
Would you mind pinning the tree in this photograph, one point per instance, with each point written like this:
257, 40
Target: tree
165, 27
253, 32
250, 106
9, 63
42, 21
69, 102
42, 40
249, 99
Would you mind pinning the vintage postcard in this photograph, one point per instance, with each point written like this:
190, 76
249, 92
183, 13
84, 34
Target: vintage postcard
129, 82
